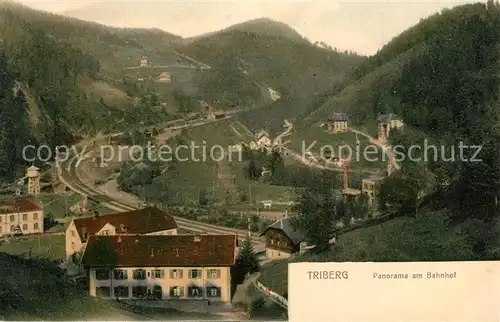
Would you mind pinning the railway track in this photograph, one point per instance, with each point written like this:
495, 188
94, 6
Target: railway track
70, 176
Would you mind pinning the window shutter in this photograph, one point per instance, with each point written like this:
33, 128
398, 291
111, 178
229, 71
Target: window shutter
162, 273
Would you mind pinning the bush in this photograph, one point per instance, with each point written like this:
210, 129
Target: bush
254, 305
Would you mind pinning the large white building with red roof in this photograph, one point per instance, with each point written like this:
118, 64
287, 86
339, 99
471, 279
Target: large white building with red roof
20, 216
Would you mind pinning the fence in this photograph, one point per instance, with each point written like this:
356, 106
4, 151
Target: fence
275, 297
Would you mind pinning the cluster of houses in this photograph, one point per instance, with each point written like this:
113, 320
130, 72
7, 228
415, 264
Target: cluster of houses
261, 141
339, 123
140, 254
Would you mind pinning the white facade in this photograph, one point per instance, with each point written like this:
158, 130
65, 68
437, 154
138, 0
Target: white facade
21, 222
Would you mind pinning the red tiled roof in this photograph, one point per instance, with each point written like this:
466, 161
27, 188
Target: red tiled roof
18, 205
142, 221
160, 251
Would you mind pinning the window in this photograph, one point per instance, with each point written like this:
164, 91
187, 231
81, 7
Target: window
213, 291
194, 273
12, 218
25, 217
35, 226
213, 273
158, 273
139, 291
176, 274
0, 229
176, 291
12, 228
120, 274
121, 291
25, 227
73, 245
195, 291
102, 274
139, 274
35, 216
73, 233
272, 242
1, 219
103, 291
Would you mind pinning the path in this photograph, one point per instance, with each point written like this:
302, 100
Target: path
386, 149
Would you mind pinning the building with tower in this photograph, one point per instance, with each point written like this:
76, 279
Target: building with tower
33, 176
387, 122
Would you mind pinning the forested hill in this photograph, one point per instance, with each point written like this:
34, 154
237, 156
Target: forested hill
47, 86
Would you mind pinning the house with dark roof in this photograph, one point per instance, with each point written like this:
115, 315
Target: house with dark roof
370, 186
20, 216
161, 267
338, 123
282, 240
385, 123
146, 221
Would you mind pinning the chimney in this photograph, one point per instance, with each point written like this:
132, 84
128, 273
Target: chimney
119, 240
96, 214
197, 239
152, 252
123, 229
136, 238
84, 233
177, 252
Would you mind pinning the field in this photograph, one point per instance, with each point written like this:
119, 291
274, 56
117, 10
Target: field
51, 247
37, 290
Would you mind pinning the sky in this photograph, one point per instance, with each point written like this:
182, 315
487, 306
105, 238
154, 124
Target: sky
361, 26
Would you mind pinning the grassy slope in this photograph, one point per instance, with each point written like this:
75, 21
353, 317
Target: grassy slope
37, 290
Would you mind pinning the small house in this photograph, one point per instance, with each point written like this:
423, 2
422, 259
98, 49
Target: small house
263, 139
387, 122
338, 123
282, 240
164, 77
144, 61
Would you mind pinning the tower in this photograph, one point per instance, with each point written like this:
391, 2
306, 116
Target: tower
32, 173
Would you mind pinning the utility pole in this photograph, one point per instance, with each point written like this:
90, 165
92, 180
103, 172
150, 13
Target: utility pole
250, 193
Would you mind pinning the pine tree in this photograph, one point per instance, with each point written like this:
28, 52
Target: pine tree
247, 261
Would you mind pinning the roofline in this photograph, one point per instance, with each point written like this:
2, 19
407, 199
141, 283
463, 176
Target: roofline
166, 266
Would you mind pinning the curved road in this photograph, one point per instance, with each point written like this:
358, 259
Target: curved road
315, 164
